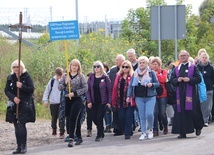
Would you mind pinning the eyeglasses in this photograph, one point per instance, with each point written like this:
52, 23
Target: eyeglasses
183, 55
15, 66
125, 67
98, 66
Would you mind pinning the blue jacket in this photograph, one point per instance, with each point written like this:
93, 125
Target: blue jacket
151, 91
105, 90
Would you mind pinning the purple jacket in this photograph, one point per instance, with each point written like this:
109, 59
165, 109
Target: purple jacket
105, 89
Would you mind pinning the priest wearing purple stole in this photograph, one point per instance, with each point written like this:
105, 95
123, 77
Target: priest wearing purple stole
188, 116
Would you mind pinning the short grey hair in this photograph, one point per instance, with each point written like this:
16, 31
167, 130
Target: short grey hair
121, 56
143, 58
131, 50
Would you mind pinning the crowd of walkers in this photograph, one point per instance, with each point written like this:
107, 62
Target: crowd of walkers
132, 93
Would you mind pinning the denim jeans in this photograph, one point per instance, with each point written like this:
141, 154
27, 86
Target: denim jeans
206, 107
146, 111
160, 110
136, 116
108, 118
126, 119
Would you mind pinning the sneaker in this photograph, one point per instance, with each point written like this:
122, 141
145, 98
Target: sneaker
67, 138
70, 143
89, 133
161, 126
78, 141
150, 134
75, 138
143, 136
205, 124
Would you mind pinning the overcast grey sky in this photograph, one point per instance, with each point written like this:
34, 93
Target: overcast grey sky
89, 10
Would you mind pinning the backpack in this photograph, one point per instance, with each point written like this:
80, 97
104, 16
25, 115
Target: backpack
171, 90
171, 93
52, 82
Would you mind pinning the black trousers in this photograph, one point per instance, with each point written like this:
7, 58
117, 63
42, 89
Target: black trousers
75, 105
98, 111
21, 134
89, 118
54, 108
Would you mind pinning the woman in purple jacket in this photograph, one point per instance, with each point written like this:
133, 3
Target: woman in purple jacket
98, 96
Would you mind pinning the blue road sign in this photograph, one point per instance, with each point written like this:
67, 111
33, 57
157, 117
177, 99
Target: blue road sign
64, 30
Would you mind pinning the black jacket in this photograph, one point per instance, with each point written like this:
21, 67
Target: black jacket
112, 74
26, 106
208, 74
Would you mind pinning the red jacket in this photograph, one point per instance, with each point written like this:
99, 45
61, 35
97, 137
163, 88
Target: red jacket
162, 78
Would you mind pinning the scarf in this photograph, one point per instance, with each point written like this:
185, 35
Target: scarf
127, 81
141, 76
189, 88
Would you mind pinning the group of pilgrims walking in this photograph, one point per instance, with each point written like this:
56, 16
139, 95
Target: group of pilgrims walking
131, 94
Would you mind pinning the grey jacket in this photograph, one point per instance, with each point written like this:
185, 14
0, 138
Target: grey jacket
54, 97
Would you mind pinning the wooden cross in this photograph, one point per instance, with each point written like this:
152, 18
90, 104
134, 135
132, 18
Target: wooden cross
20, 27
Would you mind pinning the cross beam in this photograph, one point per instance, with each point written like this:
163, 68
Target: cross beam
20, 26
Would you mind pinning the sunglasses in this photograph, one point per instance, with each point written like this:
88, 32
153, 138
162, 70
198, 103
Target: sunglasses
98, 66
15, 67
125, 67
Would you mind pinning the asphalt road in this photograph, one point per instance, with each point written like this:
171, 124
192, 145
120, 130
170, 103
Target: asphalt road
111, 145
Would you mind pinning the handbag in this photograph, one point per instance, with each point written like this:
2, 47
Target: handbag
202, 91
171, 93
159, 90
10, 112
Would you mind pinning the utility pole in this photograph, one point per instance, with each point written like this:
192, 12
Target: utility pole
77, 18
106, 26
176, 32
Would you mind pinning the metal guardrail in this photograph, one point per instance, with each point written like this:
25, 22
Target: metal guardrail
17, 37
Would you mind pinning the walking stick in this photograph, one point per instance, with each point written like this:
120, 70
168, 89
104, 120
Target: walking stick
20, 27
67, 65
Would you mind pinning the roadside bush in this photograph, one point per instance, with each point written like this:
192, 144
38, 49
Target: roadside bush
41, 63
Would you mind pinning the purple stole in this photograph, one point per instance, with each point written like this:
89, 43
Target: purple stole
189, 88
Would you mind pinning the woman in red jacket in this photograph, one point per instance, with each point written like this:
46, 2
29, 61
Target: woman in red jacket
119, 95
161, 101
